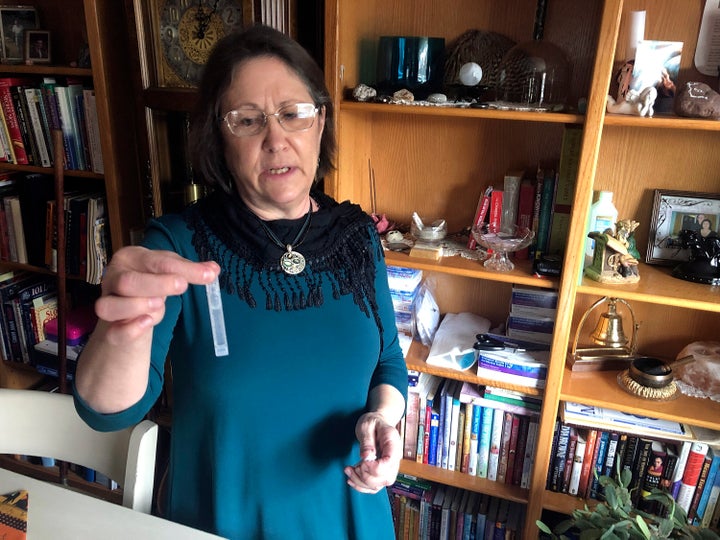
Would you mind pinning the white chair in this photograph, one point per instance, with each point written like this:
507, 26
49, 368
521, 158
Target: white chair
36, 423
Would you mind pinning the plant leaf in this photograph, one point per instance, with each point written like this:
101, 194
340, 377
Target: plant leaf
643, 526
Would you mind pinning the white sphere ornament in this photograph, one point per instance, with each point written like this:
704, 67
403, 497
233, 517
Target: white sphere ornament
470, 74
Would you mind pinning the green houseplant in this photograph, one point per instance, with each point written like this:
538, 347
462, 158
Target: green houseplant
617, 518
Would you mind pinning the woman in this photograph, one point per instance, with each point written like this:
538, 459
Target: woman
290, 431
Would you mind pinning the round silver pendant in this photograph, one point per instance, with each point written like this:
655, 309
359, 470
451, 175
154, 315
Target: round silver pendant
292, 262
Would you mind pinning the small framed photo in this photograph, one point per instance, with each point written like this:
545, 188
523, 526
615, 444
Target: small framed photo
14, 20
37, 47
674, 211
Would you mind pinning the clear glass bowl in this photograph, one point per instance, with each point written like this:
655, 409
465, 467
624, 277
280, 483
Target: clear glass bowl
500, 241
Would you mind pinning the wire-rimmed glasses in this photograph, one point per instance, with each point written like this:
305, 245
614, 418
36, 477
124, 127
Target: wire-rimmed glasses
245, 122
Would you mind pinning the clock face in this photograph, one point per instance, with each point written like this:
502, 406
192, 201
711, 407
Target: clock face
189, 29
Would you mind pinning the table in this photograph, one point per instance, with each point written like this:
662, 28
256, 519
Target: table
61, 514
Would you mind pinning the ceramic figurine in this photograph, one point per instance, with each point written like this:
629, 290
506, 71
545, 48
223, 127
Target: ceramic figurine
615, 258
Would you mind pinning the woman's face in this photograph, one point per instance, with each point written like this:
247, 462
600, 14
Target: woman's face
274, 169
705, 224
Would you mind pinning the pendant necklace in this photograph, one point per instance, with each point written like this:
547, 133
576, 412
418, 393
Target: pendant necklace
292, 262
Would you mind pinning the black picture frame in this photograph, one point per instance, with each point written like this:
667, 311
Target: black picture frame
674, 211
14, 20
38, 49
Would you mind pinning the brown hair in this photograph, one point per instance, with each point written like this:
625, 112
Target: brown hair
205, 142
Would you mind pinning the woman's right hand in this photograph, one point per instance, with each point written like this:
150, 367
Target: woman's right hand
135, 285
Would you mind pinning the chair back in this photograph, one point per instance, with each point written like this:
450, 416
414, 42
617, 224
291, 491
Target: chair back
44, 424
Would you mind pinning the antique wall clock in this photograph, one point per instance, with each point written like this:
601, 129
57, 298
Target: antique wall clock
188, 30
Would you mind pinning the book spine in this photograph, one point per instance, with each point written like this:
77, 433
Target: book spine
11, 120
496, 202
35, 126
420, 439
641, 463
504, 447
455, 425
691, 475
560, 456
467, 426
529, 458
577, 466
564, 485
545, 214
603, 443
495, 442
434, 431
699, 489
486, 425
526, 200
520, 450
18, 97
680, 468
412, 414
512, 449
476, 422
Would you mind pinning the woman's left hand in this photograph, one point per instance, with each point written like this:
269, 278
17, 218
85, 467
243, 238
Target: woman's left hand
380, 454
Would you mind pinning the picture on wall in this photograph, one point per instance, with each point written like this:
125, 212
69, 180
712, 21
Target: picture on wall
675, 211
14, 20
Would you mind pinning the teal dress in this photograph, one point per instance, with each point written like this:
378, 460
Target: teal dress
260, 436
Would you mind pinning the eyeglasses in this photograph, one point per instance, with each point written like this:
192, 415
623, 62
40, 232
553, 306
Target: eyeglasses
248, 122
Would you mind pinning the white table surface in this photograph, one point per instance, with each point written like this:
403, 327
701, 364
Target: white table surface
57, 513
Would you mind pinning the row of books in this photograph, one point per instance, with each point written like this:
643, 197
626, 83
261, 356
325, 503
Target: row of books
686, 469
28, 225
482, 431
27, 302
426, 511
30, 109
87, 474
541, 203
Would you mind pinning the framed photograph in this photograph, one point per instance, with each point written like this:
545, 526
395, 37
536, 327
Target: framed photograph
37, 46
674, 211
14, 20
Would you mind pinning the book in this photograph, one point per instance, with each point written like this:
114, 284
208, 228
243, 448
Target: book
558, 464
524, 368
588, 465
412, 415
694, 512
21, 110
705, 515
504, 451
67, 125
36, 290
93, 131
522, 439
8, 291
652, 476
455, 425
683, 454
495, 442
11, 119
467, 435
431, 388
484, 442
608, 469
545, 216
639, 467
602, 449
526, 198
537, 203
13, 211
565, 188
564, 483
577, 465
529, 459
702, 493
476, 422
691, 474
35, 125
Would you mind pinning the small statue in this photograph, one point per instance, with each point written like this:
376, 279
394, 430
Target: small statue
640, 103
615, 258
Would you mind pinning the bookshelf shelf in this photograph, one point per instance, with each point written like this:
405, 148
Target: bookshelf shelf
417, 359
601, 388
459, 266
661, 121
675, 292
463, 481
462, 112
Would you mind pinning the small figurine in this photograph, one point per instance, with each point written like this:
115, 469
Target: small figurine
615, 258
638, 103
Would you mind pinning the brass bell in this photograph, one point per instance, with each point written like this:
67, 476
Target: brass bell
609, 331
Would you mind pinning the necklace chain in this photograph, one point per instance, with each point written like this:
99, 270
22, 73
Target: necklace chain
292, 262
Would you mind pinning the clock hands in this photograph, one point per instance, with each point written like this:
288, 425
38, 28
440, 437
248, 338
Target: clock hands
203, 19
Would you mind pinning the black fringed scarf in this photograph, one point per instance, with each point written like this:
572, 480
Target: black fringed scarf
340, 246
